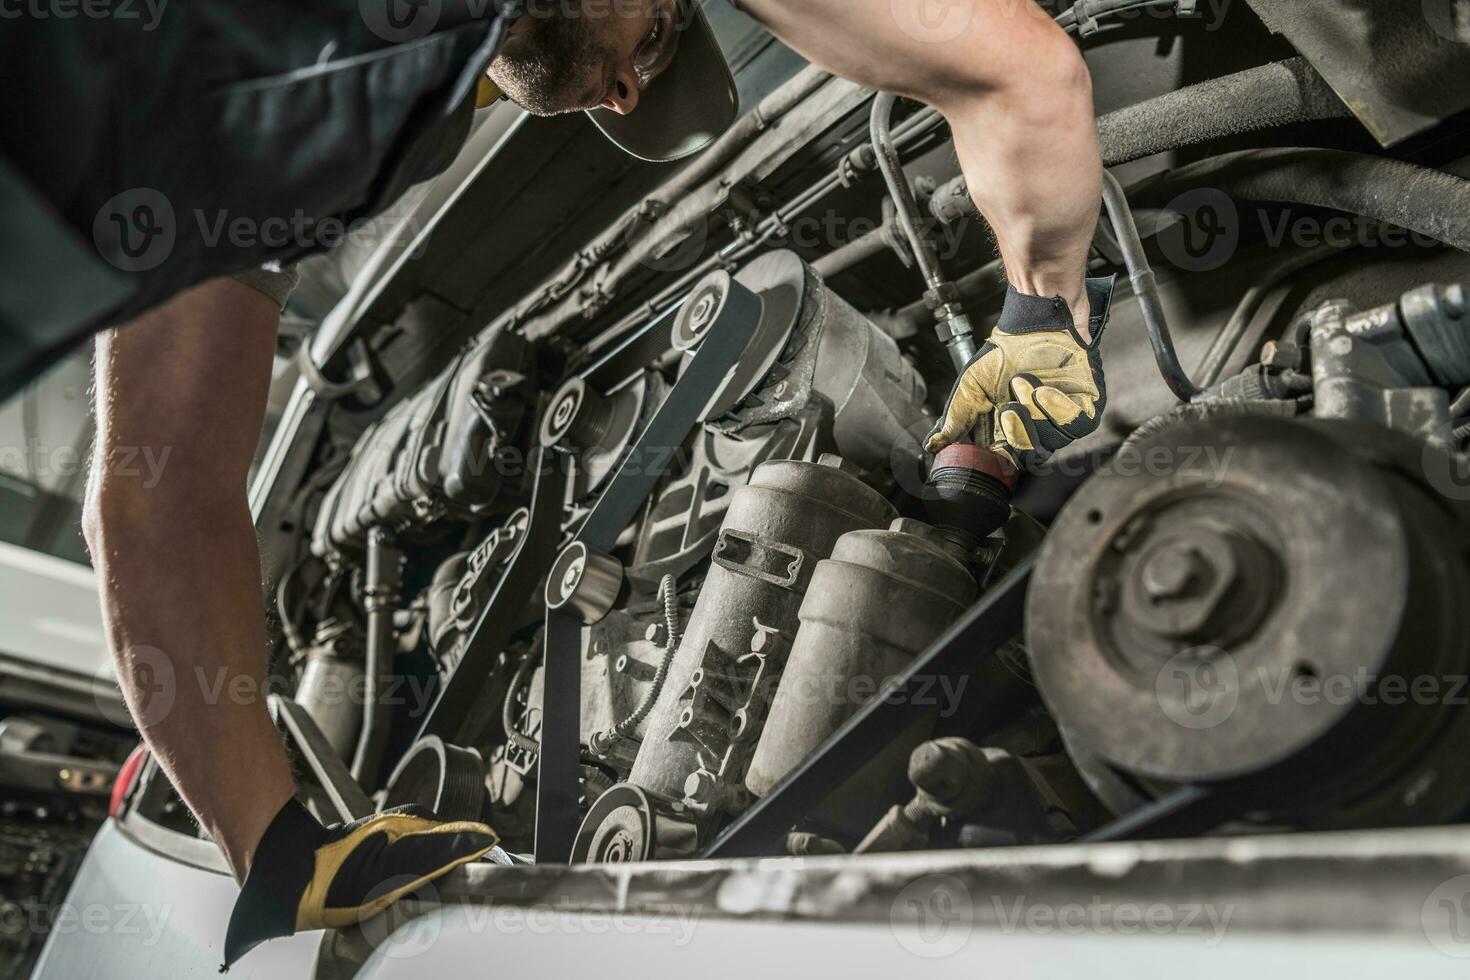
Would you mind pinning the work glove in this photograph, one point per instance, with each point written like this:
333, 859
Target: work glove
306, 876
1035, 380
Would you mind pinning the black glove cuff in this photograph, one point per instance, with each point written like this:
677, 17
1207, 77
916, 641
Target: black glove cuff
1024, 313
285, 860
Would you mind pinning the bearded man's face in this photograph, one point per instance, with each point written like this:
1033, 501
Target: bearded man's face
578, 56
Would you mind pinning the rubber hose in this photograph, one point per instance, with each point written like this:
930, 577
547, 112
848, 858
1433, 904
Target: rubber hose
1422, 200
1269, 96
1146, 288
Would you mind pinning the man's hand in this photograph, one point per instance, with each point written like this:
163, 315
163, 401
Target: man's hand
1018, 98
1036, 379
306, 876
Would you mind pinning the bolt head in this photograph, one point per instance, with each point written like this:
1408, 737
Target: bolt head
700, 787
703, 312
574, 574
565, 409
1173, 572
1182, 582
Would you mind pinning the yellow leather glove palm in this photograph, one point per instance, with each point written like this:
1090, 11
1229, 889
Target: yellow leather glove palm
1034, 379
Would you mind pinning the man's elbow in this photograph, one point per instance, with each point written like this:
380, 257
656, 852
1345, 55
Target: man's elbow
117, 519
136, 515
1040, 74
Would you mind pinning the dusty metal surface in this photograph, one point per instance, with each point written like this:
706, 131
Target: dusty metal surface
1400, 66
1373, 881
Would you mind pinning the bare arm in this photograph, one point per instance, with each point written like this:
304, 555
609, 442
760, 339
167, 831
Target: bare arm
181, 395
1017, 96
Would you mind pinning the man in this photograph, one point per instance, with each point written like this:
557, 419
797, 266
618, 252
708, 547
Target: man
191, 373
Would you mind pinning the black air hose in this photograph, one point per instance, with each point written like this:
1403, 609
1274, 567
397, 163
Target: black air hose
1146, 288
1425, 201
1269, 96
1265, 97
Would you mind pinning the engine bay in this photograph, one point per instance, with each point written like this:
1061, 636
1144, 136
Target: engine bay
651, 564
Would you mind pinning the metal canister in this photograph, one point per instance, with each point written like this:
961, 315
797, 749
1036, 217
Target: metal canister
876, 604
778, 529
331, 692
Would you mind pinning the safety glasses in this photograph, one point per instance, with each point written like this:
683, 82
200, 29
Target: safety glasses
656, 51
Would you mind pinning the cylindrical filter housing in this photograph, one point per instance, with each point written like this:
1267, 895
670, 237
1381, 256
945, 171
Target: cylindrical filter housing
778, 528
874, 606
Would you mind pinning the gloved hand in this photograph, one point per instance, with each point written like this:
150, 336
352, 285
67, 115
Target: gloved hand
1034, 378
306, 876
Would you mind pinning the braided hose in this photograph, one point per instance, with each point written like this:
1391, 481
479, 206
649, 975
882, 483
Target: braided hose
668, 593
521, 741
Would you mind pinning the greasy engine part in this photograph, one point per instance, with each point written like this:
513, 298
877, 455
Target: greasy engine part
455, 608
810, 342
684, 517
598, 428
1145, 289
626, 825
778, 527
951, 322
381, 586
447, 779
333, 671
1390, 366
487, 404
435, 453
627, 725
585, 582
1252, 620
871, 608
957, 782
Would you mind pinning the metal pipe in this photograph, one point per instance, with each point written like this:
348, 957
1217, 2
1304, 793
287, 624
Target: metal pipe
383, 581
1146, 288
951, 321
876, 242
